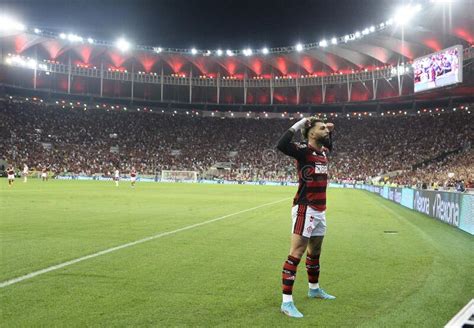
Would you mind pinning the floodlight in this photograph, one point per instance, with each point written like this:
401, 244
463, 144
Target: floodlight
247, 52
122, 44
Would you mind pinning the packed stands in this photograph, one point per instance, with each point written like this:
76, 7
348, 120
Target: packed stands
95, 141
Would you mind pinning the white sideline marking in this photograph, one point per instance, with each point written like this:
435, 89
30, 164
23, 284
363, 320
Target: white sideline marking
133, 243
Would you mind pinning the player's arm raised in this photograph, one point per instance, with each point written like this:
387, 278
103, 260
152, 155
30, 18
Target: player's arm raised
285, 145
330, 127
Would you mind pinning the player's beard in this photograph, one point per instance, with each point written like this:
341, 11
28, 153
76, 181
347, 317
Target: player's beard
326, 142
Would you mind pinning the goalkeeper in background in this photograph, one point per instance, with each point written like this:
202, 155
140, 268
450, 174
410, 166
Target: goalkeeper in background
309, 206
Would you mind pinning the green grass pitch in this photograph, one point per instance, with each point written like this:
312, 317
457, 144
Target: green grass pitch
227, 272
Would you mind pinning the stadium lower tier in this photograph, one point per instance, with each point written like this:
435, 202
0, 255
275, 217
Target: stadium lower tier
427, 148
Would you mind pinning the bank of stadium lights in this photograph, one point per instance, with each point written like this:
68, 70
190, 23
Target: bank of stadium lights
265, 51
229, 53
334, 41
247, 52
10, 24
122, 44
23, 62
405, 13
219, 52
323, 43
194, 51
299, 47
71, 37
74, 38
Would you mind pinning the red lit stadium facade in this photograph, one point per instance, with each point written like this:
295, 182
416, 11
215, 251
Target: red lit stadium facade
369, 70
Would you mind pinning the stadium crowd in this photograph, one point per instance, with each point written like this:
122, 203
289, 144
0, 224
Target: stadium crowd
96, 141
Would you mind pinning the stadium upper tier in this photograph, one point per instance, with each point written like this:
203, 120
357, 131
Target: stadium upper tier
369, 64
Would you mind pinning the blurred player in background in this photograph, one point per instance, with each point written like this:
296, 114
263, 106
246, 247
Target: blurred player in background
133, 177
44, 174
116, 177
25, 172
309, 206
10, 175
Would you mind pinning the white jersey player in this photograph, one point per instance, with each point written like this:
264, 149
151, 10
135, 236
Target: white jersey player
44, 174
25, 172
116, 177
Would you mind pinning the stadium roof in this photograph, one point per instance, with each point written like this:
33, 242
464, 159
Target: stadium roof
431, 29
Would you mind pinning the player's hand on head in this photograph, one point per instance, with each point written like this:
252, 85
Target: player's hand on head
300, 124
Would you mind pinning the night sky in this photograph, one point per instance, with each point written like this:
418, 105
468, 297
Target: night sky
204, 24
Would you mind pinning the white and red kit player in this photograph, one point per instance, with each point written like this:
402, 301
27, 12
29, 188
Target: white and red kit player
133, 177
309, 206
25, 172
116, 177
44, 174
10, 175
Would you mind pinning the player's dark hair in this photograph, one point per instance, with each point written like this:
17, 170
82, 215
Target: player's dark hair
312, 121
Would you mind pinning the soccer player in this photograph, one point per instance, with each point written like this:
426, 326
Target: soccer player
25, 172
10, 175
116, 177
44, 174
309, 205
133, 177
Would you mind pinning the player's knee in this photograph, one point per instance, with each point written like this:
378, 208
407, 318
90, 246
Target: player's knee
297, 251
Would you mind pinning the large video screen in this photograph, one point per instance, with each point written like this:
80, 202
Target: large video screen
438, 69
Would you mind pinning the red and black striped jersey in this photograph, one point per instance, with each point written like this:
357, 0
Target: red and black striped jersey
312, 166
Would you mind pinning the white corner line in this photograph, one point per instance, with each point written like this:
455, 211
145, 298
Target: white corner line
133, 243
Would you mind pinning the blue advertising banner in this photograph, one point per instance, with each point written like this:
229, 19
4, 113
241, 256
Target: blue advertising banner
408, 195
384, 192
467, 214
395, 195
453, 208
